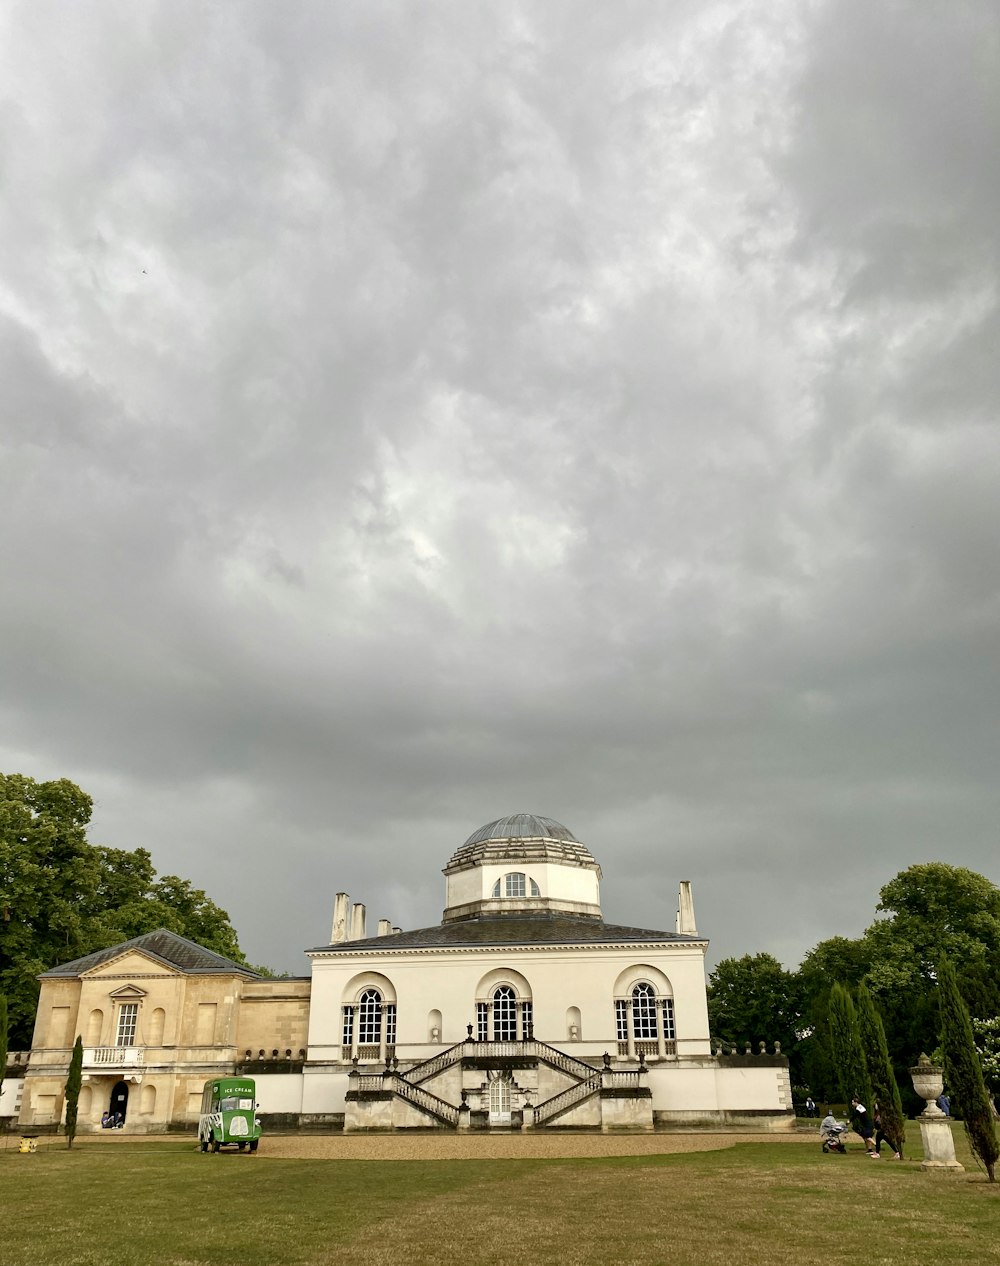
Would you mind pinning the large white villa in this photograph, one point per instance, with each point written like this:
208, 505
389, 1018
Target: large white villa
522, 1008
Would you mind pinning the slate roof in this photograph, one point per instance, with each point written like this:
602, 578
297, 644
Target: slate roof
166, 947
527, 930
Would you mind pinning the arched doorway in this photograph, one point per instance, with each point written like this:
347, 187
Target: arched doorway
500, 1083
118, 1106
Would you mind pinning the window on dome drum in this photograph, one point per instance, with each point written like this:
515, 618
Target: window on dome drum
128, 1017
516, 884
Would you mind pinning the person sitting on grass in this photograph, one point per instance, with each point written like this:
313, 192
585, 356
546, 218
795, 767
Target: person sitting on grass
862, 1124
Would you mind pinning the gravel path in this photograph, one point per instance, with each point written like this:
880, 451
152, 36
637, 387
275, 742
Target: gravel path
503, 1146
419, 1146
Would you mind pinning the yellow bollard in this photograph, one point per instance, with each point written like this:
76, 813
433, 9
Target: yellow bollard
28, 1144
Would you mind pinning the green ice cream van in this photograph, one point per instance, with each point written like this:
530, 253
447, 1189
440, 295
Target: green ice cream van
228, 1114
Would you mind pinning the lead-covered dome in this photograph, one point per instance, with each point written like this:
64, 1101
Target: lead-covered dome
524, 835
521, 864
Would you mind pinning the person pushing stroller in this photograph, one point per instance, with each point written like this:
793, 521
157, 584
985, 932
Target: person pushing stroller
831, 1133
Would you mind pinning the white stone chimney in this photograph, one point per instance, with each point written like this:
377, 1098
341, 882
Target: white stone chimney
358, 922
686, 925
341, 907
384, 927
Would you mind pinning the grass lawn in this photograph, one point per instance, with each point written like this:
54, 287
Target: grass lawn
759, 1203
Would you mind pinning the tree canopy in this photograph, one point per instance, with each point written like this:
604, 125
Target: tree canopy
753, 999
924, 913
62, 897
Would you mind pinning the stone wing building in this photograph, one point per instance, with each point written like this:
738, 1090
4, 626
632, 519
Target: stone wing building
522, 1008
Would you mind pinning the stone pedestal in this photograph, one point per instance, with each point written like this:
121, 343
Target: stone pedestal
939, 1146
935, 1127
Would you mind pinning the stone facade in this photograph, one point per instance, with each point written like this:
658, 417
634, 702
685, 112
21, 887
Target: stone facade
522, 1009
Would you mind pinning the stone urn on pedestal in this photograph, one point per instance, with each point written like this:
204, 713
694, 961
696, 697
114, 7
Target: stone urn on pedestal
935, 1127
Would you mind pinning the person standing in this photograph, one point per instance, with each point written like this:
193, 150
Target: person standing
810, 1106
881, 1137
862, 1123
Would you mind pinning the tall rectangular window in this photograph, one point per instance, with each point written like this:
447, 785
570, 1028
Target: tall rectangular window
668, 1018
621, 1019
482, 1020
128, 1018
348, 1025
527, 1019
390, 1024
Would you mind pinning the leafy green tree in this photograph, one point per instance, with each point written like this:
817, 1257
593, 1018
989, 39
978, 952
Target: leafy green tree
750, 997
753, 999
836, 959
73, 1083
987, 1035
962, 1070
3, 1038
885, 1091
932, 910
62, 897
845, 1039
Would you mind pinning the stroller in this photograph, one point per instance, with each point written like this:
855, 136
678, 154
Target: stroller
833, 1138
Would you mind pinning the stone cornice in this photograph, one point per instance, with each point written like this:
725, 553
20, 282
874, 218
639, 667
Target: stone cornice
463, 951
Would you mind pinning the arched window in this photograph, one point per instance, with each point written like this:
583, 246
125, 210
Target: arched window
369, 1027
516, 884
504, 1014
370, 1018
512, 1018
644, 1011
644, 1022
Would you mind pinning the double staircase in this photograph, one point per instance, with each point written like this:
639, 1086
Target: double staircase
409, 1086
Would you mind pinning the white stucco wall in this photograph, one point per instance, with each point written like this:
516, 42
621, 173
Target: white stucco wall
555, 881
9, 1096
279, 1092
555, 979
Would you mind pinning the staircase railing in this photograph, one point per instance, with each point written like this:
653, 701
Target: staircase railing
424, 1100
567, 1098
436, 1064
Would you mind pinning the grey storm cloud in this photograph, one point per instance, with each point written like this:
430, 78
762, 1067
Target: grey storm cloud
415, 413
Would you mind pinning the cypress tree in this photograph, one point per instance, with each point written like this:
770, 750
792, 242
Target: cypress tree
885, 1091
963, 1072
848, 1055
73, 1083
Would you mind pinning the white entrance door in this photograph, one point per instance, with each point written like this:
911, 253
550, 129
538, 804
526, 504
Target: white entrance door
499, 1102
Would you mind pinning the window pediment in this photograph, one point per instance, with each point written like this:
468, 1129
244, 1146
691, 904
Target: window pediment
128, 993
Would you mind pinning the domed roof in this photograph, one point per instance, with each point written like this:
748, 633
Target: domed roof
523, 837
521, 826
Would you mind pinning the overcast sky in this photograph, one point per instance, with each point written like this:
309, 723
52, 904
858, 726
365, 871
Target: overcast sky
415, 413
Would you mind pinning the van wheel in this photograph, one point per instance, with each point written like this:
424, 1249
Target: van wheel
241, 1146
215, 1143
253, 1146
203, 1143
